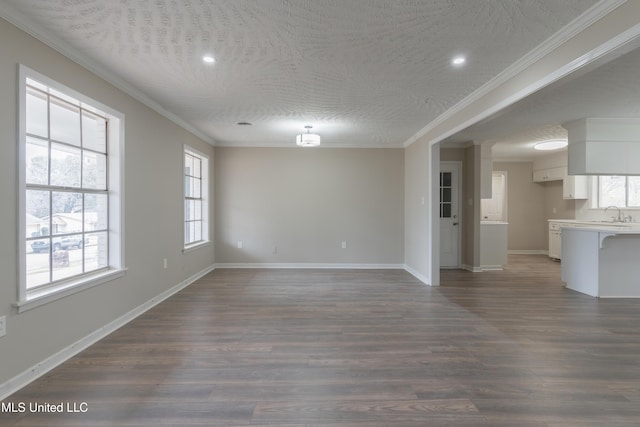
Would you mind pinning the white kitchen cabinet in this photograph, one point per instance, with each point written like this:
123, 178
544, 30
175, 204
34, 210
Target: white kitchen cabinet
575, 187
555, 240
549, 174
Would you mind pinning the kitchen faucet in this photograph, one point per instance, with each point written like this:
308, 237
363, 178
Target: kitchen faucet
620, 217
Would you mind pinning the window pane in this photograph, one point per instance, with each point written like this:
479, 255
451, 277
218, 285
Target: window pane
38, 213
197, 209
65, 122
197, 167
37, 262
446, 195
37, 157
188, 164
37, 122
195, 188
65, 166
446, 179
66, 212
634, 191
94, 132
446, 210
95, 212
94, 170
186, 233
611, 191
197, 231
65, 262
96, 251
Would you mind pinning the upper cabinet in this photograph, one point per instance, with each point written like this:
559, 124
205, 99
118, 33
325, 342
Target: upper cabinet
554, 168
575, 187
549, 174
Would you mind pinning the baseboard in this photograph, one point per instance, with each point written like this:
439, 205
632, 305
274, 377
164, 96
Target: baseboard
417, 275
19, 381
527, 252
471, 268
306, 265
491, 268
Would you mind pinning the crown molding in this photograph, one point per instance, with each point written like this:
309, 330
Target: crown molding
572, 29
28, 25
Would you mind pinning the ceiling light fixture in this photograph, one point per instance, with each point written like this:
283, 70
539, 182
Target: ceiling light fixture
308, 139
554, 144
458, 61
208, 59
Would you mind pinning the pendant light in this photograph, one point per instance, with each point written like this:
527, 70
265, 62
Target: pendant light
308, 139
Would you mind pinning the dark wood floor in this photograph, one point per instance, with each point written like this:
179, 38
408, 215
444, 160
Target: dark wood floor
360, 349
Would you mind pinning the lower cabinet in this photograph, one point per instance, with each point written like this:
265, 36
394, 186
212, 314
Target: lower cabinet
555, 240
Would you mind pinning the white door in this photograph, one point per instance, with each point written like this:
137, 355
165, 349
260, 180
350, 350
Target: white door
495, 208
449, 215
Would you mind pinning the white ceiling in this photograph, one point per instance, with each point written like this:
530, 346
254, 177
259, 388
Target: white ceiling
609, 88
364, 73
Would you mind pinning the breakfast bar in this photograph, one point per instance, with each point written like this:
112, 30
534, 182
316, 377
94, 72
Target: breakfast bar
602, 260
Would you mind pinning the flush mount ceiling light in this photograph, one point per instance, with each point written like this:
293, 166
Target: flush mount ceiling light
554, 144
208, 59
308, 139
458, 61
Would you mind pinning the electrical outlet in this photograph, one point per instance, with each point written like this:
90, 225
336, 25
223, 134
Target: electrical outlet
164, 263
274, 250
3, 326
344, 244
239, 244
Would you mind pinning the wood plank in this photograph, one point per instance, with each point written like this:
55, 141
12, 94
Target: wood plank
357, 348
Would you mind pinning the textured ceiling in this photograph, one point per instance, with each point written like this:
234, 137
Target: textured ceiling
362, 72
608, 90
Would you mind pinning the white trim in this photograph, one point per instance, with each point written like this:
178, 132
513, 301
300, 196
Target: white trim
196, 246
491, 268
471, 268
37, 297
28, 299
27, 25
424, 279
16, 383
204, 198
582, 22
311, 265
527, 252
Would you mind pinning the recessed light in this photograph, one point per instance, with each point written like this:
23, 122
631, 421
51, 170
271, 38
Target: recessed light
458, 60
208, 59
554, 144
244, 123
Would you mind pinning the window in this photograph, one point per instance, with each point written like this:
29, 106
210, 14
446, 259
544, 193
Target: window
196, 207
620, 191
70, 182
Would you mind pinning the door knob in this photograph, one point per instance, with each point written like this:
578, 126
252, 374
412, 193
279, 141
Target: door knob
455, 223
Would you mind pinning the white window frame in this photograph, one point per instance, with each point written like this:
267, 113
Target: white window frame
204, 198
595, 194
28, 299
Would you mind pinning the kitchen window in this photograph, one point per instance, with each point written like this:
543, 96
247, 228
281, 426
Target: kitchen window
196, 206
70, 190
620, 191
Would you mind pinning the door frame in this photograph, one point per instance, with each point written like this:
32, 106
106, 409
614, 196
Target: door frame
458, 165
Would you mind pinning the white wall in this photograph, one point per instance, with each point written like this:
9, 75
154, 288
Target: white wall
417, 202
153, 212
305, 202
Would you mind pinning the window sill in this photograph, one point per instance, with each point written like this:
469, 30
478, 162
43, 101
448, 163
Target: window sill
196, 246
38, 297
